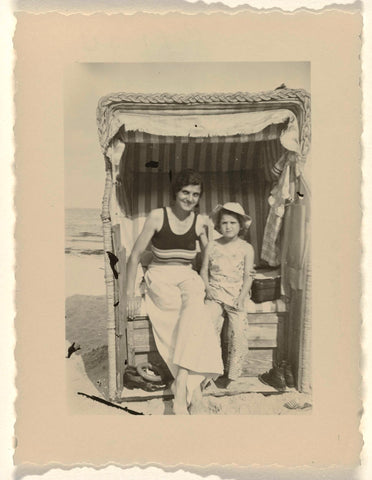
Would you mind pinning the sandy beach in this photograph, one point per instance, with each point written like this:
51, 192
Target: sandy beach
84, 275
87, 369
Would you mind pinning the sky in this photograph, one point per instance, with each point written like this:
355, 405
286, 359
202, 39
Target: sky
86, 83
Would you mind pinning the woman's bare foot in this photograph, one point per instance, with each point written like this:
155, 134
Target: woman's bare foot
205, 383
179, 392
180, 408
197, 406
179, 403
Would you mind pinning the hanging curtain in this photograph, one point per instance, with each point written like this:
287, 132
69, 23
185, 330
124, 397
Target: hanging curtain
296, 282
296, 241
286, 170
281, 195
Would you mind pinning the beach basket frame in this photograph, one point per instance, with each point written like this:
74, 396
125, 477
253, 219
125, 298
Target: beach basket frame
296, 100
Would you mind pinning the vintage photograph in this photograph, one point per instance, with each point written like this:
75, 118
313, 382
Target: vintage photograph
187, 238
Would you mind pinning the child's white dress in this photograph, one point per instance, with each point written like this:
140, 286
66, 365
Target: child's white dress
226, 273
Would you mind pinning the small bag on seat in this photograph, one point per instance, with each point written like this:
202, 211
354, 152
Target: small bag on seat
266, 286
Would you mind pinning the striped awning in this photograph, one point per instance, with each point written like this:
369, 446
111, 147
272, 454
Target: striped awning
271, 132
207, 156
231, 171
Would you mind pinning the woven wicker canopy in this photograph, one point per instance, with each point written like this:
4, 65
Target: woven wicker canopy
203, 115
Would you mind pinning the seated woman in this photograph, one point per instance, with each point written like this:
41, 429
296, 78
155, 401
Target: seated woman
227, 274
175, 294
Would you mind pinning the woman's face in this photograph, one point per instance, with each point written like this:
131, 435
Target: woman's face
229, 226
188, 197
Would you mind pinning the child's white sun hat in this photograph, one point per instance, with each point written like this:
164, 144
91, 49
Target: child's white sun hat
234, 207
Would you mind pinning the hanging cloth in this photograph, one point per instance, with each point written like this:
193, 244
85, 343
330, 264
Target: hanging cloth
281, 195
296, 244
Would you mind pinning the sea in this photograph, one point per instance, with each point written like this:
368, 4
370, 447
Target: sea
83, 232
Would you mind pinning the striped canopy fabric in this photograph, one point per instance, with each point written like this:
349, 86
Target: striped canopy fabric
233, 169
271, 132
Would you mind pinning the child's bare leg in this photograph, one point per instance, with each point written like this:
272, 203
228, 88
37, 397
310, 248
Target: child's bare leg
179, 391
239, 343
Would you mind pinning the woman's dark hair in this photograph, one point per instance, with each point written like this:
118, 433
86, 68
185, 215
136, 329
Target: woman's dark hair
184, 178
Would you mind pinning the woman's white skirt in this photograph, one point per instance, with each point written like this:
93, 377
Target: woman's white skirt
183, 329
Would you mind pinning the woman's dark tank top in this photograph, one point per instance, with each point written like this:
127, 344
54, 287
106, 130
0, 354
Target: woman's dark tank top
168, 247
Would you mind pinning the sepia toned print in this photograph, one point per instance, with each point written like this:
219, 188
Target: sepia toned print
70, 407
182, 163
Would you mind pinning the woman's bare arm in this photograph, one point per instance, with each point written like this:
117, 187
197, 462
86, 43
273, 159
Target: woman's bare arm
202, 232
204, 268
150, 227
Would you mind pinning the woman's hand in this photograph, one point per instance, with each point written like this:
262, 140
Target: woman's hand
133, 305
149, 229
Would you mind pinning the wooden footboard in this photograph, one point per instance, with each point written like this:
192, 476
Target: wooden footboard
266, 338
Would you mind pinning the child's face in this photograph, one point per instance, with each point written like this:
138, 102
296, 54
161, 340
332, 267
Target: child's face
229, 226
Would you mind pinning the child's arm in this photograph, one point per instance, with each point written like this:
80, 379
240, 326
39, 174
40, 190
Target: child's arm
202, 232
247, 278
204, 268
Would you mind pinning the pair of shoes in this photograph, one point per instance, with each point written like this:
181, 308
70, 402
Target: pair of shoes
288, 374
274, 378
149, 372
133, 380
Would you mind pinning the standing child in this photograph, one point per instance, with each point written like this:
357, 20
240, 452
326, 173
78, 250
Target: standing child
226, 272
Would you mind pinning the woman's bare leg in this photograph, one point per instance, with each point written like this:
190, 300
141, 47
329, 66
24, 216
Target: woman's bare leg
180, 392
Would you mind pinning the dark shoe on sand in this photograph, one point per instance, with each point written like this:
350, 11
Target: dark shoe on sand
288, 374
274, 378
222, 382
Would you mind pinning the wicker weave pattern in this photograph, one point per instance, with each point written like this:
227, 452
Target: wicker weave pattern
109, 281
109, 103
